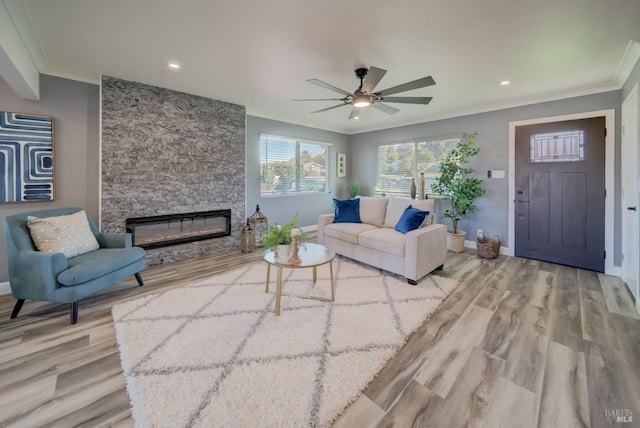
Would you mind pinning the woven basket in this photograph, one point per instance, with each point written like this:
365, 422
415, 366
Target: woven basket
488, 248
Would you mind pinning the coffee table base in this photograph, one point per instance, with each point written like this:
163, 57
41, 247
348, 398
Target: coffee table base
303, 296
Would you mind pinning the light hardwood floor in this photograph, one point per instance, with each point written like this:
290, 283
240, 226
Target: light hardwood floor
520, 343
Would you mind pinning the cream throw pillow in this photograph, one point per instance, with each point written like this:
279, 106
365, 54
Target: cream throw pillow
373, 209
67, 234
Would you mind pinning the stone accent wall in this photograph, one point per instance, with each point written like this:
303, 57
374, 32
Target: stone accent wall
166, 152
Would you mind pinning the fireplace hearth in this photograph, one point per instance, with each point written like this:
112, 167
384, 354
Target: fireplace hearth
173, 229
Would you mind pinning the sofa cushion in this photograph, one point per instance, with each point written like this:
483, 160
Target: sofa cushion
347, 232
347, 211
373, 209
411, 219
95, 264
68, 234
396, 207
384, 239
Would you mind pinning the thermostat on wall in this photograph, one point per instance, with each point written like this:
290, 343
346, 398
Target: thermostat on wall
495, 173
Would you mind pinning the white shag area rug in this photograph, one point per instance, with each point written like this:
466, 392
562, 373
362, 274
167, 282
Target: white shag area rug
213, 354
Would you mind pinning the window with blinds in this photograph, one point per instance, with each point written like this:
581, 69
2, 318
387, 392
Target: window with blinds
292, 166
400, 163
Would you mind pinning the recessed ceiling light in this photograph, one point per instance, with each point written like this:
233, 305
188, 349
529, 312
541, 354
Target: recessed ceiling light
174, 65
505, 82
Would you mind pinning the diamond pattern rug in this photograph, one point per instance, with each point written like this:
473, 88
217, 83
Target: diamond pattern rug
214, 354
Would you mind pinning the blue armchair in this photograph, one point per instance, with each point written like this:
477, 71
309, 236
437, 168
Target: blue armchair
52, 277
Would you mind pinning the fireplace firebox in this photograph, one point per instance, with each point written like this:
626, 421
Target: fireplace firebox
172, 229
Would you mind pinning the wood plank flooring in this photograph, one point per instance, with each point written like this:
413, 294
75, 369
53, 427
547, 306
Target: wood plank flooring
520, 343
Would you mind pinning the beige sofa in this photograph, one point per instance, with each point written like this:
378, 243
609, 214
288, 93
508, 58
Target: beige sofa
377, 243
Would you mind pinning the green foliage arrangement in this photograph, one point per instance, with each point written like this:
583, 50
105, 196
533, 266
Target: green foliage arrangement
455, 182
281, 235
354, 188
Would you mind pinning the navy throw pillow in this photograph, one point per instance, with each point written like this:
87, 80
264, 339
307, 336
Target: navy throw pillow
411, 219
347, 211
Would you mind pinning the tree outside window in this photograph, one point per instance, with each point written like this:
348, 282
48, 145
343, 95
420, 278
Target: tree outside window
292, 166
400, 163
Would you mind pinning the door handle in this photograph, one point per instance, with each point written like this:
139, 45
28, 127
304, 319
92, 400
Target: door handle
522, 201
631, 208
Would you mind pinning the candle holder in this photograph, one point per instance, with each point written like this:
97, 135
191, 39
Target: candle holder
295, 247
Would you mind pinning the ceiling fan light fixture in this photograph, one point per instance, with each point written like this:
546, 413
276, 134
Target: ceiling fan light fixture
361, 101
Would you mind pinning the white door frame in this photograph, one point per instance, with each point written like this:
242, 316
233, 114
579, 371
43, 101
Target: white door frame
609, 115
630, 233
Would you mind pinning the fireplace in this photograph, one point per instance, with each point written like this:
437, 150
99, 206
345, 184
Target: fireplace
172, 229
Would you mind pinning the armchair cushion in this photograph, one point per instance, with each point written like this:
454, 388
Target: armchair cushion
67, 234
95, 264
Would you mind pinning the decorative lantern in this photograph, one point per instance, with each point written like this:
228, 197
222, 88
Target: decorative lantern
260, 226
247, 239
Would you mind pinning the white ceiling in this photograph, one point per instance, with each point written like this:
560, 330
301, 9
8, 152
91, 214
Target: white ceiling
260, 53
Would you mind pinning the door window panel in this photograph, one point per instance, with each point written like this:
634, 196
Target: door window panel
565, 146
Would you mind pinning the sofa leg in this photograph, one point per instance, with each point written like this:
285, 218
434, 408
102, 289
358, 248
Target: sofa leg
139, 278
412, 281
73, 312
440, 267
16, 308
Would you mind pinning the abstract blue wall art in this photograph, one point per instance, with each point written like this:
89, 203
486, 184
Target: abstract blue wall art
26, 157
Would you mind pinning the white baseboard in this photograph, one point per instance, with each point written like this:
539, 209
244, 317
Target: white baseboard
5, 288
613, 271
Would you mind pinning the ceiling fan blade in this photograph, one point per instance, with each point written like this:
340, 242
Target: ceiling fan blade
319, 99
328, 86
328, 108
355, 113
415, 84
385, 108
407, 100
374, 75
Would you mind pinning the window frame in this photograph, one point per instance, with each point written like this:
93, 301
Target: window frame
297, 167
454, 138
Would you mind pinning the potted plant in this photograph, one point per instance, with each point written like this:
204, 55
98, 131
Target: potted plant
278, 238
354, 188
459, 187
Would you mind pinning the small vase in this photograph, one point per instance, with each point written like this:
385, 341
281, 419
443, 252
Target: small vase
413, 188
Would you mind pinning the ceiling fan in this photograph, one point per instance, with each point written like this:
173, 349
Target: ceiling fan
364, 96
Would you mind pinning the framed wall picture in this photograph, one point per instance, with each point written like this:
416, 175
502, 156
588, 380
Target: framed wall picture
26, 157
341, 165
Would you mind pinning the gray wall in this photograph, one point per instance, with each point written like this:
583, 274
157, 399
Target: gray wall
279, 209
74, 107
167, 152
493, 139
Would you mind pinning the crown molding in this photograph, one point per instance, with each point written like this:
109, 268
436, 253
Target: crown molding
512, 103
629, 60
23, 23
19, 66
70, 74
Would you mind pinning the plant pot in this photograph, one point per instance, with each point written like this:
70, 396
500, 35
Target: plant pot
455, 241
282, 252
